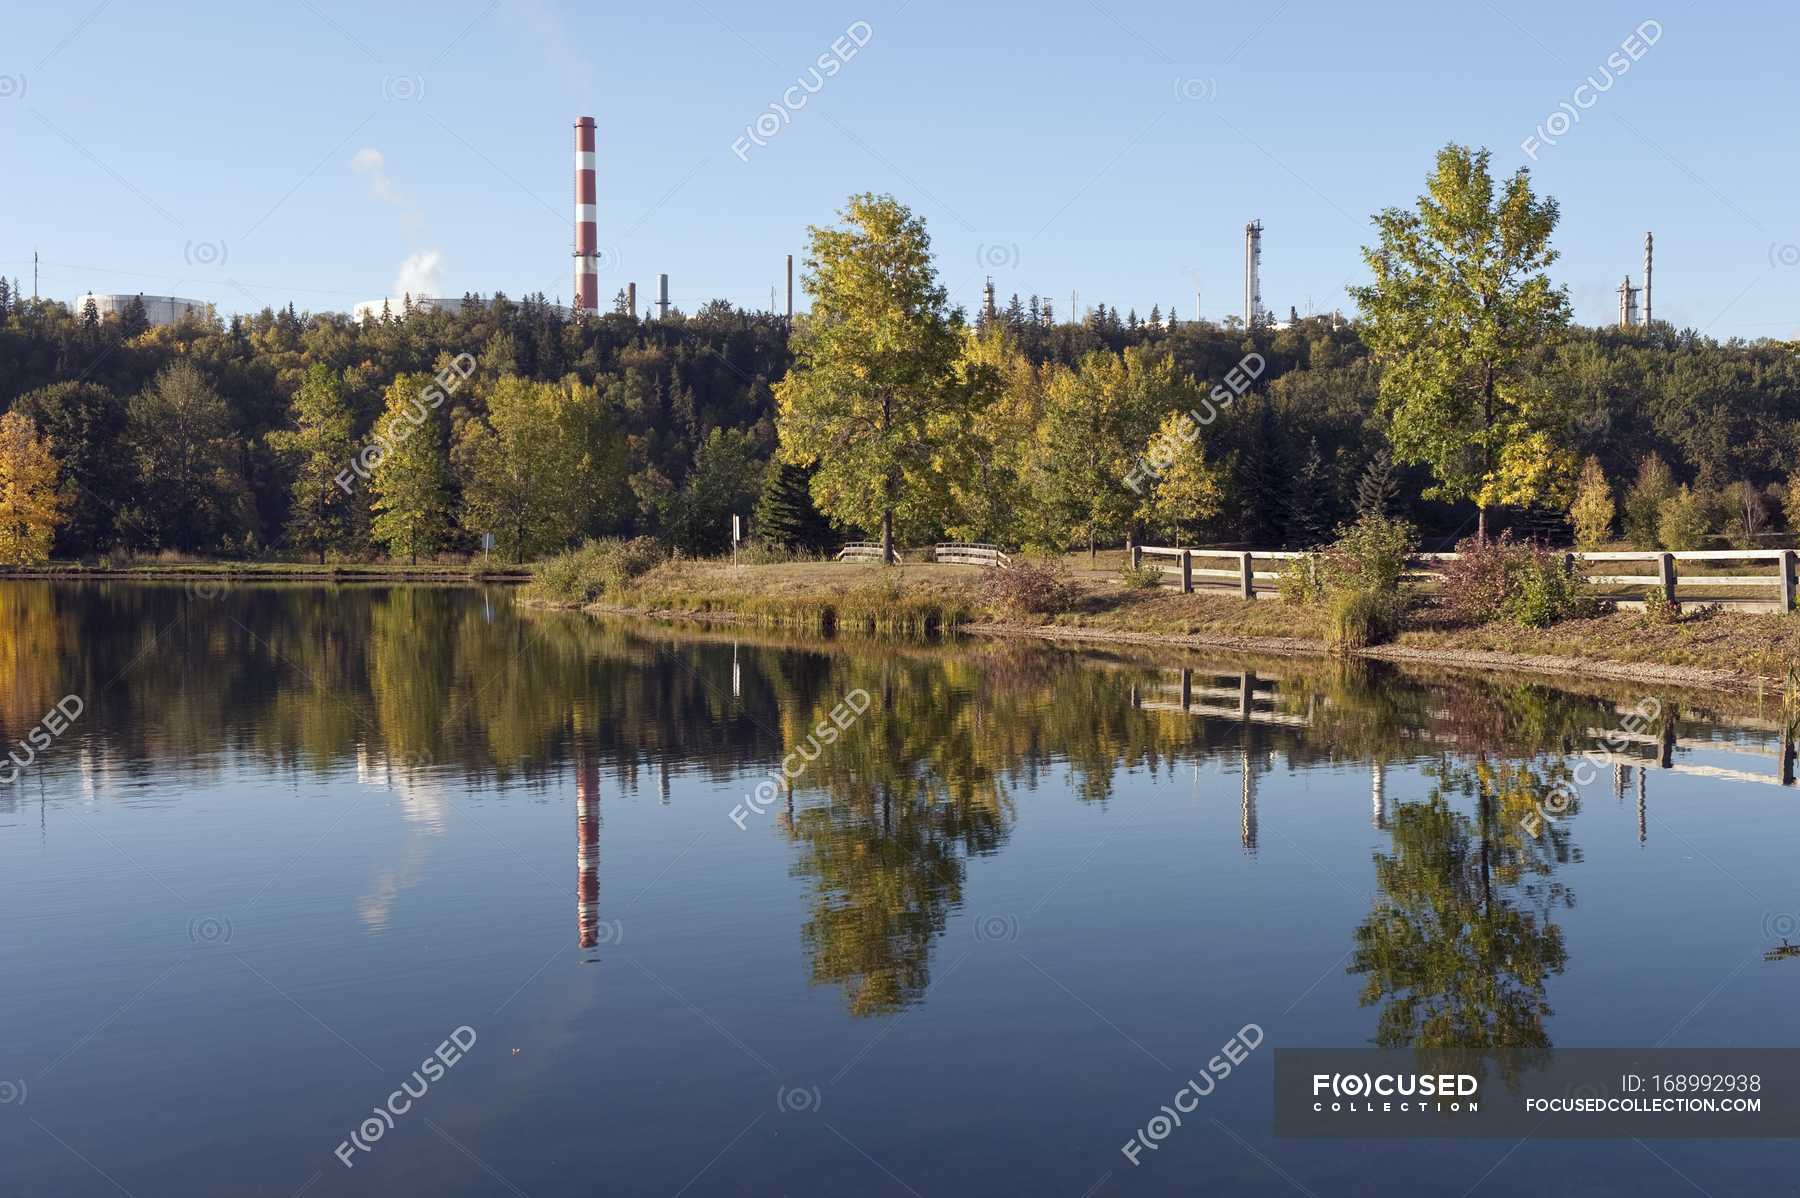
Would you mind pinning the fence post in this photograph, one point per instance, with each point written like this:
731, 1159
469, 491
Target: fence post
1187, 572
1137, 557
1785, 564
1665, 570
1246, 577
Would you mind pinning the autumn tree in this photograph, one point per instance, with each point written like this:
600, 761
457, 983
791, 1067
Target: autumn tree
873, 365
410, 480
31, 507
985, 447
1592, 511
319, 446
1643, 501
1459, 304
1190, 490
1096, 422
536, 471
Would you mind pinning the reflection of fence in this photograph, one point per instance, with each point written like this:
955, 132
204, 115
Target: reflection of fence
970, 553
1666, 742
1775, 576
1246, 698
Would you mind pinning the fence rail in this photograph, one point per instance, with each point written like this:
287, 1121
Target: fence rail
958, 553
970, 553
860, 551
1777, 574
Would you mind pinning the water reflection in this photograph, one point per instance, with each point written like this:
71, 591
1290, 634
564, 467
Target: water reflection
448, 691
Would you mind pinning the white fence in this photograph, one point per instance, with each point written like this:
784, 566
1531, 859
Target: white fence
957, 553
860, 551
1239, 571
970, 553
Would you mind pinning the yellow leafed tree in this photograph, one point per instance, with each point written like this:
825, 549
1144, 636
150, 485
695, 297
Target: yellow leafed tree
31, 508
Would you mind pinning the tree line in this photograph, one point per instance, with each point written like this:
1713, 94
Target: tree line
1460, 395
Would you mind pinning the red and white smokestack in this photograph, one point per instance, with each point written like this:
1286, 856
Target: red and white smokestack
587, 229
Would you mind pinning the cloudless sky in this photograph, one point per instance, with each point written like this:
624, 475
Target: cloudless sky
253, 154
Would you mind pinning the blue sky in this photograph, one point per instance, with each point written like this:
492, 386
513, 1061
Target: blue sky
306, 150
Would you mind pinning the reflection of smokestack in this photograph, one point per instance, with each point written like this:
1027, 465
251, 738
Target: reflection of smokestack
587, 848
1378, 795
1248, 830
587, 237
1642, 812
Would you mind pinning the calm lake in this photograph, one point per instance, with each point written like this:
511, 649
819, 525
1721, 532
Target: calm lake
286, 844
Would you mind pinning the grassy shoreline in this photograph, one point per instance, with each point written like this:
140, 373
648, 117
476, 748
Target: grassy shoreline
1716, 649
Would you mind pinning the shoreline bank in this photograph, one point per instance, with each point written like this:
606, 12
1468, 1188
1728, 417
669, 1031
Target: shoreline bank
1706, 648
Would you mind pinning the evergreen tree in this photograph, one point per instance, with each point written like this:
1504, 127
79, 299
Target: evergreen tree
135, 321
1377, 488
1307, 501
188, 454
90, 317
785, 515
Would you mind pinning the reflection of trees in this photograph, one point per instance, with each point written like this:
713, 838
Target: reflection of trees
1448, 950
885, 821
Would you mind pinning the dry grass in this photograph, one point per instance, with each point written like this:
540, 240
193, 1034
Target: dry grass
1752, 643
921, 596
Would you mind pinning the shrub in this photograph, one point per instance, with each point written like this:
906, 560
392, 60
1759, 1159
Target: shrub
1360, 618
1369, 555
1141, 578
1658, 609
1528, 585
597, 568
1543, 587
1359, 577
1298, 583
1474, 586
1682, 520
1031, 585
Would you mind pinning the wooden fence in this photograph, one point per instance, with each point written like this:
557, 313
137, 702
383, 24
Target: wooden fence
956, 553
860, 551
970, 553
1771, 570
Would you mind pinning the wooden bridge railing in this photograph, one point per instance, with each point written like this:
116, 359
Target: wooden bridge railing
960, 553
1242, 575
970, 553
860, 551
